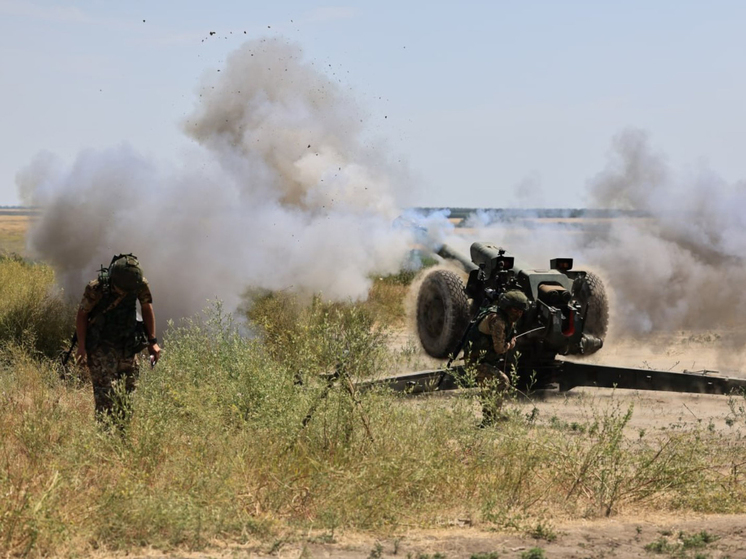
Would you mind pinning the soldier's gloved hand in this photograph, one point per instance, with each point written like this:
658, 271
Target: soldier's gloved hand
81, 358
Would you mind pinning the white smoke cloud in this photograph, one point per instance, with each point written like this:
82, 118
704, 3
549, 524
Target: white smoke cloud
682, 266
677, 263
281, 192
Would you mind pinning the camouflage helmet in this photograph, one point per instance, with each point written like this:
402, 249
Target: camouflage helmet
513, 299
125, 272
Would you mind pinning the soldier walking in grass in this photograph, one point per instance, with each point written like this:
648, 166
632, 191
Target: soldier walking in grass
487, 347
110, 337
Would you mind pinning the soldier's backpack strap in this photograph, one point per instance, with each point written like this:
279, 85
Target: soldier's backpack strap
114, 303
484, 311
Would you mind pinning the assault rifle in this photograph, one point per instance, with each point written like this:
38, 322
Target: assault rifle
66, 355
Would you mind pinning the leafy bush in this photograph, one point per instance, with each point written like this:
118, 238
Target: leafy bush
321, 336
32, 311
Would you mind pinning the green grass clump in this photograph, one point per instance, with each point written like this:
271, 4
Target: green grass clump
700, 539
683, 542
490, 555
376, 552
32, 311
533, 553
543, 531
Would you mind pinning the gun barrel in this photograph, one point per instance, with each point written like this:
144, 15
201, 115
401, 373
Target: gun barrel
451, 254
569, 375
572, 374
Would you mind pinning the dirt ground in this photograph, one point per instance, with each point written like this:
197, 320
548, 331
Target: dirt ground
655, 411
618, 538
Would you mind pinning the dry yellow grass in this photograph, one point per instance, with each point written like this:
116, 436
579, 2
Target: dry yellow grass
13, 233
240, 439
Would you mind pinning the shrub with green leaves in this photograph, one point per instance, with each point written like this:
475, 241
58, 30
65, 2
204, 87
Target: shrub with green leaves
32, 310
320, 336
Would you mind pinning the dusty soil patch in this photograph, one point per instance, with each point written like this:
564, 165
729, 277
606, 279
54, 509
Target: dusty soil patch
721, 351
620, 538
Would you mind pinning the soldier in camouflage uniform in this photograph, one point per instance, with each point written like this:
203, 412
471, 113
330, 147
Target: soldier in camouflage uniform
487, 346
109, 335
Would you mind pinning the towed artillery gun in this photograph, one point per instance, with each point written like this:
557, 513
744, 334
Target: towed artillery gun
568, 315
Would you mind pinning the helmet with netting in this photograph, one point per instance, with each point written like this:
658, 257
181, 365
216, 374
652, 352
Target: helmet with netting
125, 273
513, 299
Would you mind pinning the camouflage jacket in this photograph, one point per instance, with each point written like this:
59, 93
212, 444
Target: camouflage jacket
489, 341
113, 317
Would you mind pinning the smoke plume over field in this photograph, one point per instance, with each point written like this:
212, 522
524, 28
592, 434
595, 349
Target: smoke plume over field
280, 192
683, 267
679, 266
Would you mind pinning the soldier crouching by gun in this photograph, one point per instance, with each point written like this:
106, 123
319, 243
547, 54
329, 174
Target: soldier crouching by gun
486, 348
110, 337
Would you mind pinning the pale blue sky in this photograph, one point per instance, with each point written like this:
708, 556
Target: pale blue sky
477, 97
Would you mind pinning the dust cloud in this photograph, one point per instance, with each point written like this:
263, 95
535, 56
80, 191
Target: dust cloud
279, 191
674, 263
682, 266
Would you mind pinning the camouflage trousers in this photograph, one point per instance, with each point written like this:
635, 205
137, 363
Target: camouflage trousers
114, 377
493, 385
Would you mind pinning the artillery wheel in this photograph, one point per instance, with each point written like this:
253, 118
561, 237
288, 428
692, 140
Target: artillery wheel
595, 306
442, 313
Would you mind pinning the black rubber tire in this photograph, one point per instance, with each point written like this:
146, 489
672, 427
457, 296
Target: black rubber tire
595, 306
442, 313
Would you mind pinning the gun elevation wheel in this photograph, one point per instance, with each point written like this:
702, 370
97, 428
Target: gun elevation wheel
442, 313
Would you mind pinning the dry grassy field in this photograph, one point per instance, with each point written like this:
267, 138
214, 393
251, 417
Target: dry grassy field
642, 530
216, 463
13, 227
